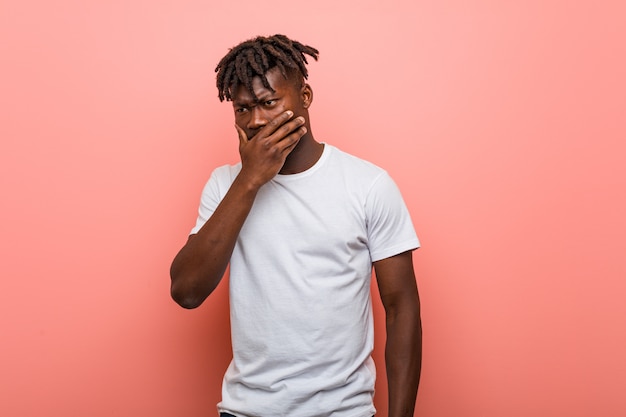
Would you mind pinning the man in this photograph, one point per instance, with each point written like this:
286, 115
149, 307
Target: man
301, 224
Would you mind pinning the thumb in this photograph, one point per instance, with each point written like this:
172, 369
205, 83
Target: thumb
243, 138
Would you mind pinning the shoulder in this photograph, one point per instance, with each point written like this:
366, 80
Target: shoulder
355, 167
225, 174
221, 179
373, 183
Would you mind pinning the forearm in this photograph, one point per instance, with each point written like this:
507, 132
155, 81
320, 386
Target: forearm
201, 263
403, 357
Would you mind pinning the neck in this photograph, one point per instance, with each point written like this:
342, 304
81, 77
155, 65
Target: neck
306, 153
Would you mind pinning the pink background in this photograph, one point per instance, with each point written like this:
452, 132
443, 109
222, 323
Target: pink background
502, 122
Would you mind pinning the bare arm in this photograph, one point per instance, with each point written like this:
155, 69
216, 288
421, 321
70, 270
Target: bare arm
403, 351
200, 264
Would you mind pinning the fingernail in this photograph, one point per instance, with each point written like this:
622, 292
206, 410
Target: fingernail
289, 113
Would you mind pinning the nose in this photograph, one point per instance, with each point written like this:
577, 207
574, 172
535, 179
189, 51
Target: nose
258, 118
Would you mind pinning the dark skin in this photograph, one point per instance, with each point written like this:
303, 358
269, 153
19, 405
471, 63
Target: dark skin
275, 137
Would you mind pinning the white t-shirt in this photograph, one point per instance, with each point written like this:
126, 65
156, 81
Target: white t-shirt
300, 307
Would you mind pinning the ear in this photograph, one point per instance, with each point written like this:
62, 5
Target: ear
307, 95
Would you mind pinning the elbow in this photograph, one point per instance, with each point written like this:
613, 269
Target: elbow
183, 292
180, 290
189, 288
185, 299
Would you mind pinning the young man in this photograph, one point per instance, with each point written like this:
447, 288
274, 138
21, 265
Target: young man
301, 224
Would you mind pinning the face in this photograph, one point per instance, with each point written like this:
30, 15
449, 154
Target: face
251, 113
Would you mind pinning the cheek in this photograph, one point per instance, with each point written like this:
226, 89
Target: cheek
240, 120
297, 103
274, 112
280, 108
291, 104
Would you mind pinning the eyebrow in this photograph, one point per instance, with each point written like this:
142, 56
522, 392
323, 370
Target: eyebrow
263, 97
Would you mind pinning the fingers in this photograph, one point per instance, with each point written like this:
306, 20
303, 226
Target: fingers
289, 142
275, 130
277, 122
281, 127
281, 133
264, 154
289, 128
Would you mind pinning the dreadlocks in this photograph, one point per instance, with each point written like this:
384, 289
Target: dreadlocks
255, 57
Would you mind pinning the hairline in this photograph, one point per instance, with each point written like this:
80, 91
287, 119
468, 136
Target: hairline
293, 76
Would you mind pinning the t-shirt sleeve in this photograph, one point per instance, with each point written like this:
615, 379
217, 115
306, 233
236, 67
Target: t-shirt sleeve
389, 227
212, 194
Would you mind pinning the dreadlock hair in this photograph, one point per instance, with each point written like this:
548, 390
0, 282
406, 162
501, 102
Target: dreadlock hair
255, 57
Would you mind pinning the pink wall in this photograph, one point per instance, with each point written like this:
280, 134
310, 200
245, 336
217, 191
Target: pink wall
504, 125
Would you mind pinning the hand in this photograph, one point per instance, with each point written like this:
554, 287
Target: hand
264, 155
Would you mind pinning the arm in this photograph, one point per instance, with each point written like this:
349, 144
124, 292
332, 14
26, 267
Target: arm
403, 351
201, 263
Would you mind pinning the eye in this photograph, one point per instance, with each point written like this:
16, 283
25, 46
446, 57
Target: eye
241, 110
269, 103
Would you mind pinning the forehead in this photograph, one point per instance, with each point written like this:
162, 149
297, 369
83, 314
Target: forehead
275, 79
